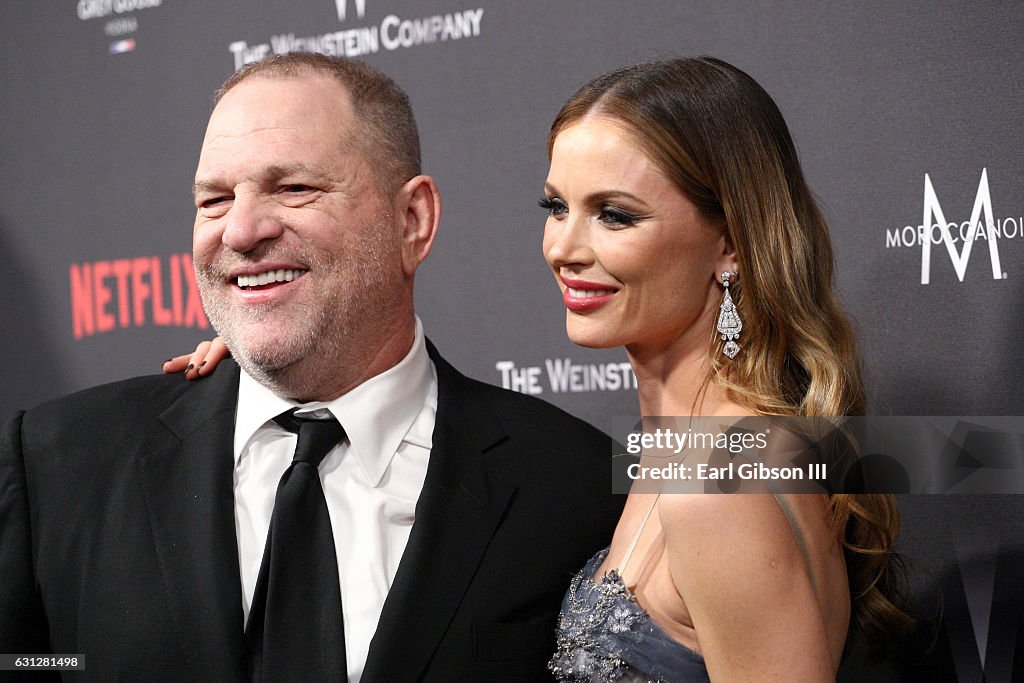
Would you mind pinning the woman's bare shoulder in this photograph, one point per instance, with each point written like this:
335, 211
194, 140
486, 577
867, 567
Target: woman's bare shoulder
734, 524
737, 566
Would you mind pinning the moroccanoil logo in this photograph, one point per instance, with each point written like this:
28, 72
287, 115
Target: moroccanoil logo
958, 238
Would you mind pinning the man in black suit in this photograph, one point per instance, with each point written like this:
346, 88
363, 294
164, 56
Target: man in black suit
133, 515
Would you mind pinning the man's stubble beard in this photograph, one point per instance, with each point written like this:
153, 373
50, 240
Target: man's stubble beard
335, 328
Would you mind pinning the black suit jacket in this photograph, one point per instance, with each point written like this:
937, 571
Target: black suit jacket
117, 535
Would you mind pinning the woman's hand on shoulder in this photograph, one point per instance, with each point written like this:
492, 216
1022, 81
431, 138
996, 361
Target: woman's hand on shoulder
742, 576
200, 362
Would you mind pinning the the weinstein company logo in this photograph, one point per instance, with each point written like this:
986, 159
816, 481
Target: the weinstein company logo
342, 6
358, 39
935, 230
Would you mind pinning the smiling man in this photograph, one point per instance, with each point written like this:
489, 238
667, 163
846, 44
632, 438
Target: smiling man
303, 250
342, 504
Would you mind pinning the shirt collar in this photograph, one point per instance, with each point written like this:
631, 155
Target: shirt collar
378, 415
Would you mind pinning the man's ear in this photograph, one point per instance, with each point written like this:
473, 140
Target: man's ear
418, 212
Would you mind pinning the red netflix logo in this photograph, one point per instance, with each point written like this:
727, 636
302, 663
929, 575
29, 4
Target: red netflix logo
130, 293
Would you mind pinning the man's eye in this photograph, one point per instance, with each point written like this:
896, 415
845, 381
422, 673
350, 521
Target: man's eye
298, 188
211, 202
554, 207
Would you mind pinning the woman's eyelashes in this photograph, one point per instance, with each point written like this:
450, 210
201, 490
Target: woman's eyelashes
553, 205
611, 216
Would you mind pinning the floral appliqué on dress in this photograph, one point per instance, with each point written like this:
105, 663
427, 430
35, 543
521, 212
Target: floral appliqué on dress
599, 624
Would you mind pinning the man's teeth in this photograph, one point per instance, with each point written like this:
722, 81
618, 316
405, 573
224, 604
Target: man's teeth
268, 277
589, 293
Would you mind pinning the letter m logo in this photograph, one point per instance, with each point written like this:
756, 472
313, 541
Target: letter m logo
933, 217
342, 6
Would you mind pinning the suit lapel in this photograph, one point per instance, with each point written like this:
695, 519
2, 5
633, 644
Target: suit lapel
188, 480
456, 516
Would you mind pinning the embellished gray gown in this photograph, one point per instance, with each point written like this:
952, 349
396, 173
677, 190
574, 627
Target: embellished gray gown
604, 635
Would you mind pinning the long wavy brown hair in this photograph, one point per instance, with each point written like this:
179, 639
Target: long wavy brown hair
722, 140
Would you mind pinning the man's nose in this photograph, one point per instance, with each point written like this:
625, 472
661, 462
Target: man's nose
251, 220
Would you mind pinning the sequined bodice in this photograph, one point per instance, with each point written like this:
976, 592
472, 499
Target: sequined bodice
604, 635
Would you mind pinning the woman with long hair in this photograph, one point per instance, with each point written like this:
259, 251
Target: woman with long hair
680, 226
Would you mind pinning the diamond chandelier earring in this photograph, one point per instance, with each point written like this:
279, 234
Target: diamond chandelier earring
729, 323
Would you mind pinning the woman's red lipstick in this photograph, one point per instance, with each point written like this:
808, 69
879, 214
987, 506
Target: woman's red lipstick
581, 296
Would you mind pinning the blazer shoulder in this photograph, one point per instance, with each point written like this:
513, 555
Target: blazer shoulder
529, 409
136, 394
525, 418
133, 401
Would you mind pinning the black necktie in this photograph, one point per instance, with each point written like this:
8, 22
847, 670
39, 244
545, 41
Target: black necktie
295, 629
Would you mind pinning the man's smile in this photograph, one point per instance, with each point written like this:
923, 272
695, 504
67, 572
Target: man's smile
267, 277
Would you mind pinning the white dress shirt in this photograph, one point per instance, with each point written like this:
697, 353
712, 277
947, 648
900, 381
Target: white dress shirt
371, 481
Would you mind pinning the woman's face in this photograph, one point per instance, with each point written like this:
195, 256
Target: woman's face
635, 259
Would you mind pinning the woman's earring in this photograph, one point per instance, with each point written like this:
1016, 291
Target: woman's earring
729, 323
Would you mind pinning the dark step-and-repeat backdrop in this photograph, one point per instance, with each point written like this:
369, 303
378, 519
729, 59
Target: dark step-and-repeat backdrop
908, 118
